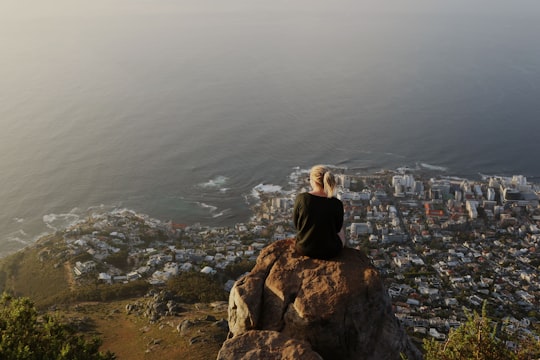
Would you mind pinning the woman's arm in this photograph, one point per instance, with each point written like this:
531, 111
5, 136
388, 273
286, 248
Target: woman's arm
341, 235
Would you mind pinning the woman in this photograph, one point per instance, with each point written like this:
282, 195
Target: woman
318, 217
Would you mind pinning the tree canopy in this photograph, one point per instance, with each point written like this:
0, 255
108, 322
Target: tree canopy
27, 335
480, 338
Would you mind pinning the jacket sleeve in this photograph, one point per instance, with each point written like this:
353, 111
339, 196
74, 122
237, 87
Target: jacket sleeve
339, 217
296, 212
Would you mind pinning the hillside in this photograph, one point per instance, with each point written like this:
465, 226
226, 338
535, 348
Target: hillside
89, 272
49, 283
39, 272
194, 328
134, 337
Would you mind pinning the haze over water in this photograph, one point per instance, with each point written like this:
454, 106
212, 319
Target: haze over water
179, 108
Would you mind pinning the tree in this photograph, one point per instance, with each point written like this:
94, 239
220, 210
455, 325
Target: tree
25, 335
239, 268
478, 338
192, 287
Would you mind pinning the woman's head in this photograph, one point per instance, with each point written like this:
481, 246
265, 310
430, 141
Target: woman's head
324, 179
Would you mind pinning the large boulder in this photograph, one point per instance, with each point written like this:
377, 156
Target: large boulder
339, 306
266, 345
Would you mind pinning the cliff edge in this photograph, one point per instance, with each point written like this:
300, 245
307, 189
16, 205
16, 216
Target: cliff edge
294, 307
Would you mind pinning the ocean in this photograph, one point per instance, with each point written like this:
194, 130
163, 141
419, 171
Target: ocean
180, 108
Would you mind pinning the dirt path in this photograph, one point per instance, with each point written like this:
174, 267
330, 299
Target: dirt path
69, 276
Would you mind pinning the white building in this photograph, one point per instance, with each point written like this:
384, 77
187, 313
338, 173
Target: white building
83, 268
133, 276
407, 181
171, 267
105, 277
361, 228
490, 194
472, 207
208, 270
186, 266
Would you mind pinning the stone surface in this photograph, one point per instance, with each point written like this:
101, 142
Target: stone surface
339, 306
266, 345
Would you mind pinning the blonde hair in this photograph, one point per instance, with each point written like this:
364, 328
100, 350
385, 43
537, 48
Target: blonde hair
324, 178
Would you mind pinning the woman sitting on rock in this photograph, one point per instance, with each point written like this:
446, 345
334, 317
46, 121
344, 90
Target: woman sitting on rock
318, 217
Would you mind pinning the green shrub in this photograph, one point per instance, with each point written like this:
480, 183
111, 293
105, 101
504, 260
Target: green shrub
192, 287
234, 270
119, 259
106, 292
479, 339
28, 336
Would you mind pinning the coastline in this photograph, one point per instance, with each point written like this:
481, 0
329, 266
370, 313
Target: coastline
61, 221
440, 242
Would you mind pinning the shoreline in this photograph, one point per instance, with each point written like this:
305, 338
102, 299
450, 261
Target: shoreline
251, 199
439, 243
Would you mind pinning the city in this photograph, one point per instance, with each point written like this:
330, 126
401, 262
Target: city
444, 245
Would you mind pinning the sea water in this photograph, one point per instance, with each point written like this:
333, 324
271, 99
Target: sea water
179, 109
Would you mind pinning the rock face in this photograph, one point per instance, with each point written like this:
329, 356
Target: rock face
157, 306
266, 345
339, 307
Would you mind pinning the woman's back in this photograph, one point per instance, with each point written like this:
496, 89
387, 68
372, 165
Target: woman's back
318, 220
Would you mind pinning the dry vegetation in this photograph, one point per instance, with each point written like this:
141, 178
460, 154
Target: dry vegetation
37, 272
42, 273
133, 337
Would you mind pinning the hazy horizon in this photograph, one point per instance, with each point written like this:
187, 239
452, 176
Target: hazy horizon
137, 103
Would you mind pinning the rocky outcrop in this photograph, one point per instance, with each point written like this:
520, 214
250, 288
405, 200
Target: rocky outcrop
339, 307
157, 305
266, 345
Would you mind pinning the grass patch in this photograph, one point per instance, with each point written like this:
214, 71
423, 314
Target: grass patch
38, 272
132, 337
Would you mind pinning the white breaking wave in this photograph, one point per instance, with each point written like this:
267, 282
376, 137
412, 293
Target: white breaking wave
215, 183
19, 236
454, 178
433, 167
18, 240
268, 188
221, 213
211, 208
265, 188
406, 168
60, 221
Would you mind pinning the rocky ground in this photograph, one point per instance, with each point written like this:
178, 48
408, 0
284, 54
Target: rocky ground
195, 332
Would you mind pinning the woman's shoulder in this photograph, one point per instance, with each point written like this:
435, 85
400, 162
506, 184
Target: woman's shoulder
302, 196
333, 202
336, 201
306, 196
